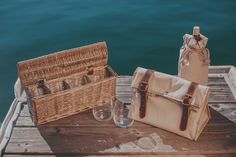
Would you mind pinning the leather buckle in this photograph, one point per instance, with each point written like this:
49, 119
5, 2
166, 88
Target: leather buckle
143, 86
187, 106
187, 100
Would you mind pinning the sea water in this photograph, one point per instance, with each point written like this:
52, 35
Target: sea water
138, 33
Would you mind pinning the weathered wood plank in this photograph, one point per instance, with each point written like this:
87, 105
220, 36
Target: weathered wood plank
45, 140
123, 155
136, 155
228, 110
71, 139
24, 122
106, 155
231, 80
219, 69
25, 111
66, 155
219, 132
85, 119
212, 79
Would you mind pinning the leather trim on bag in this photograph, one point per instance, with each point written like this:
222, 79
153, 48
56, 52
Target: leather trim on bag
143, 87
187, 106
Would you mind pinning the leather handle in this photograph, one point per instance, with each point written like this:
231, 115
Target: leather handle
143, 87
186, 106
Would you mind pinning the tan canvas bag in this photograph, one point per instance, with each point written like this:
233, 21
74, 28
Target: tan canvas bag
169, 102
194, 59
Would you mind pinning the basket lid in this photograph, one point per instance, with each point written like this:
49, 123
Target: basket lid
62, 63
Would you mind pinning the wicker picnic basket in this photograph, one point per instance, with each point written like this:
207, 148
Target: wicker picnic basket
67, 82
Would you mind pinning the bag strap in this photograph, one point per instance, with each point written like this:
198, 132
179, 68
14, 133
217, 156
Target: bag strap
187, 105
143, 87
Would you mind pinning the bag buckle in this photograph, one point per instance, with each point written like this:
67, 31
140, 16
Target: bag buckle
187, 102
187, 106
143, 86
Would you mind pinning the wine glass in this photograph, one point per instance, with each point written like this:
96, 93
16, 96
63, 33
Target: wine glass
121, 111
104, 109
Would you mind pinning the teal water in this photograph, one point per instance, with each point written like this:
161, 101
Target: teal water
138, 33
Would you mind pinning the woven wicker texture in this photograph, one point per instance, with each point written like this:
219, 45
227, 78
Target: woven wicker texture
67, 82
62, 63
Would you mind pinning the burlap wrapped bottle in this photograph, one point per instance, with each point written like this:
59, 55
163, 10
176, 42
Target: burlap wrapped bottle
194, 58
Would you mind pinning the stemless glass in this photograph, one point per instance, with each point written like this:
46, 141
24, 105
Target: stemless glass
104, 110
120, 118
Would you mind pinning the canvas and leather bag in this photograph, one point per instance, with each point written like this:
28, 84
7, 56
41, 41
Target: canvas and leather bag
169, 102
194, 59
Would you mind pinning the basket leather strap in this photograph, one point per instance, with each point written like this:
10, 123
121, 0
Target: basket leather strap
143, 87
186, 106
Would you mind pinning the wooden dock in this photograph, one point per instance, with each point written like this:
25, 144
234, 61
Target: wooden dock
82, 135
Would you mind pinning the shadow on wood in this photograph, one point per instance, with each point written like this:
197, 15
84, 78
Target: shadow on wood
82, 133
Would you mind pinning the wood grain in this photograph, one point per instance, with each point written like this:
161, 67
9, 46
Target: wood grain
136, 155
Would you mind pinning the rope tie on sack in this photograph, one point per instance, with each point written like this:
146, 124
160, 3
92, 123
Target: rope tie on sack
203, 54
